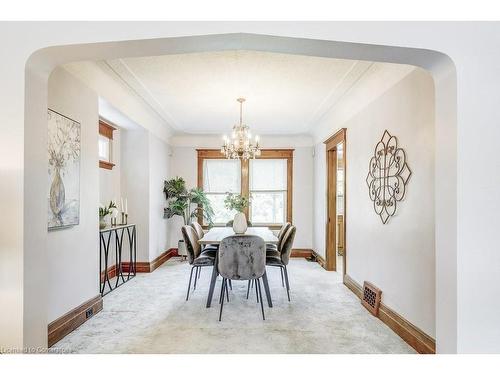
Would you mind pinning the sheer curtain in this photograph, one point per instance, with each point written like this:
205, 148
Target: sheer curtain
221, 176
268, 189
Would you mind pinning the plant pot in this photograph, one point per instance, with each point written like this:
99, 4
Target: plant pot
240, 223
181, 248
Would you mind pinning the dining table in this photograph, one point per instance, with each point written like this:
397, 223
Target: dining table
215, 235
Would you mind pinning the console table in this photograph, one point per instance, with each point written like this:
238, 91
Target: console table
123, 269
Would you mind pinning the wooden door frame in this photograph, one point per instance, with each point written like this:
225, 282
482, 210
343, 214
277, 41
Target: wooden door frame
331, 204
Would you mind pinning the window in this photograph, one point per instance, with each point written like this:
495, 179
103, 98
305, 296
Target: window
268, 179
221, 176
104, 148
268, 190
106, 145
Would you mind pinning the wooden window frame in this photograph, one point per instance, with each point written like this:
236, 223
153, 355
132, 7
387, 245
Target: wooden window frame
106, 130
245, 178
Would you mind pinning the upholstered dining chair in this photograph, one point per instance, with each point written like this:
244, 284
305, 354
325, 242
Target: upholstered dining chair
284, 256
242, 258
196, 257
273, 249
199, 231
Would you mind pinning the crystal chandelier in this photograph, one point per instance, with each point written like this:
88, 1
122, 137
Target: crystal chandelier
240, 145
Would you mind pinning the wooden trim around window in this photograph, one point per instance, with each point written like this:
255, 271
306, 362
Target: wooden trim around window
245, 182
106, 129
106, 164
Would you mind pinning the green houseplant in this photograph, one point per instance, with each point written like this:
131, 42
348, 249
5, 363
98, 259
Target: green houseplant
105, 211
188, 204
238, 203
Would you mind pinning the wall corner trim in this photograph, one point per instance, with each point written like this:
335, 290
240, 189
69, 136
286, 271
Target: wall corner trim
414, 336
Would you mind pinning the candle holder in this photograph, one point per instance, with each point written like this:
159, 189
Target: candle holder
126, 219
113, 221
123, 219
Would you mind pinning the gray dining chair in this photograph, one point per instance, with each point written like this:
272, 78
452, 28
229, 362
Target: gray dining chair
273, 249
196, 257
241, 257
282, 260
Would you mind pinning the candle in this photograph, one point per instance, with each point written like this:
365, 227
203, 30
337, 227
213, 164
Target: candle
121, 204
126, 210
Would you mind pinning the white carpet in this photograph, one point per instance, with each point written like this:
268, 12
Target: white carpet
149, 314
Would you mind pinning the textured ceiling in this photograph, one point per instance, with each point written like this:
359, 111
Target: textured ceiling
196, 93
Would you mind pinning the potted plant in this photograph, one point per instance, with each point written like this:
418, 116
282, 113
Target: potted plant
238, 203
188, 204
105, 211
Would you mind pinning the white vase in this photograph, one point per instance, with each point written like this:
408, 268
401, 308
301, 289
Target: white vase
240, 223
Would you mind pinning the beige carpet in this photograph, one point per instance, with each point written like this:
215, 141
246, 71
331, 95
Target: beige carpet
149, 314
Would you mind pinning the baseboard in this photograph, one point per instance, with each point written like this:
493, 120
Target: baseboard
146, 267
321, 261
301, 253
413, 335
111, 273
70, 321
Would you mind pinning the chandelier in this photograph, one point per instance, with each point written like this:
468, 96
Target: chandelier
240, 145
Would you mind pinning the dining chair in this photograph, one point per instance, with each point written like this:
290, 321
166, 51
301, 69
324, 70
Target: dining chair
273, 249
282, 260
201, 233
242, 258
196, 257
199, 229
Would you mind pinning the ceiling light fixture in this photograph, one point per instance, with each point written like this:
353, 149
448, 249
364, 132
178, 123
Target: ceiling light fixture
240, 145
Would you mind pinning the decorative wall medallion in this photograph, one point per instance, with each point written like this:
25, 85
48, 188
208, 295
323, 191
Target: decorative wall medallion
388, 176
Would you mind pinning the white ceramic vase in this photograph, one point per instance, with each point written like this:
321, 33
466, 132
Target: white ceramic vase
240, 223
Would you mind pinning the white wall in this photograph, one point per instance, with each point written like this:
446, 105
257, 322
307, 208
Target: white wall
135, 185
398, 257
145, 165
184, 163
73, 253
159, 168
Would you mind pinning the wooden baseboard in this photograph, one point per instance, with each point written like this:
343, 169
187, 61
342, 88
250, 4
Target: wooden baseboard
111, 273
413, 335
301, 253
321, 261
146, 267
73, 319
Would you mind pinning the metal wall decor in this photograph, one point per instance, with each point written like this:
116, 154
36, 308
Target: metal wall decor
388, 176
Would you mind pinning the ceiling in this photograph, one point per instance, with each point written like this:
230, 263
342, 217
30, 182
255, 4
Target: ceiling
196, 93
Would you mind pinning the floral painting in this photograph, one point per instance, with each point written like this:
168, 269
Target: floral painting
63, 171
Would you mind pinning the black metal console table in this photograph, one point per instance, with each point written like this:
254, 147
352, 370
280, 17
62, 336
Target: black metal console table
105, 235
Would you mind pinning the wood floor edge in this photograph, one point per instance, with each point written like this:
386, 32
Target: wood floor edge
70, 321
410, 333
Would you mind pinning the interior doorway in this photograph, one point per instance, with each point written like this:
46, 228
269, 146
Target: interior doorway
336, 206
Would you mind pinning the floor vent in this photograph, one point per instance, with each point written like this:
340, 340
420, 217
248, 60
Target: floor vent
371, 297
